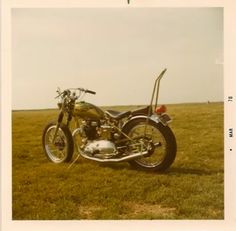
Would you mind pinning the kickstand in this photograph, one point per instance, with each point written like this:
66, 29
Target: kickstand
74, 161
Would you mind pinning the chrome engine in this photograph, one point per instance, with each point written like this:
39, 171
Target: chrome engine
92, 140
100, 148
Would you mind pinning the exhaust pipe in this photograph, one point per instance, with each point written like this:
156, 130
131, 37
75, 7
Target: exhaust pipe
113, 160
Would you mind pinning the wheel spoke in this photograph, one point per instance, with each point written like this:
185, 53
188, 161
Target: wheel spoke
153, 137
54, 149
158, 144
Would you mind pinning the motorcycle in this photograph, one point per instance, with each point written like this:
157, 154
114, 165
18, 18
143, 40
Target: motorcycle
141, 136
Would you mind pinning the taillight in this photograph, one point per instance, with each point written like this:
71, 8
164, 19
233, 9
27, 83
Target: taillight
160, 110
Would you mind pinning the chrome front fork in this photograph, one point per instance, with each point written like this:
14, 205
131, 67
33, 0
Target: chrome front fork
59, 120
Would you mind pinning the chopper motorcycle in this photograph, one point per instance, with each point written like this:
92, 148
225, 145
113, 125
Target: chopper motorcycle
141, 136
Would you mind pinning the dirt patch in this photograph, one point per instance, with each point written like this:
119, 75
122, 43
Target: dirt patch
133, 211
86, 212
155, 210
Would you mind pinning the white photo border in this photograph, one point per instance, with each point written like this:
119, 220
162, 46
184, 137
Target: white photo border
229, 222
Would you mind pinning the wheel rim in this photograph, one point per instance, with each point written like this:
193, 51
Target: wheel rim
56, 151
156, 140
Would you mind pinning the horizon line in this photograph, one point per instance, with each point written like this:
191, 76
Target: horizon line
131, 105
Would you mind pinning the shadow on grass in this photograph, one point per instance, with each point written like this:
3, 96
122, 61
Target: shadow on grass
192, 171
170, 171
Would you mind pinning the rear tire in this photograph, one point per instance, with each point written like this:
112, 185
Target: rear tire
163, 142
61, 150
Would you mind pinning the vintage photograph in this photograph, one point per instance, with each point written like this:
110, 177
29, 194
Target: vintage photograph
117, 113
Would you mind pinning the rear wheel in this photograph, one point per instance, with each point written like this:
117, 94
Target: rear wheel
159, 141
61, 148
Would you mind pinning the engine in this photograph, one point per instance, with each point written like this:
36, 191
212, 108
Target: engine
96, 139
90, 129
101, 148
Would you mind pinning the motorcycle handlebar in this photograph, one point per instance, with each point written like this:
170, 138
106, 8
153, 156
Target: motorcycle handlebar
67, 91
87, 91
90, 92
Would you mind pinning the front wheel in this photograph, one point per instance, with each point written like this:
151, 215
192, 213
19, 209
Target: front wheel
161, 142
58, 149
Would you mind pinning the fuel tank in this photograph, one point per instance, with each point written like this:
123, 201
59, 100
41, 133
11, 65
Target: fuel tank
86, 110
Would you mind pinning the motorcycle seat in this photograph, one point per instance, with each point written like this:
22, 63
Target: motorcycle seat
142, 111
117, 114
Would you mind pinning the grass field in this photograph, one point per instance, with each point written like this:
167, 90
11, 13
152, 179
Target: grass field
192, 188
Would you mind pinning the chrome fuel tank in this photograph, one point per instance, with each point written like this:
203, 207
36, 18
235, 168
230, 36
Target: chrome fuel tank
86, 110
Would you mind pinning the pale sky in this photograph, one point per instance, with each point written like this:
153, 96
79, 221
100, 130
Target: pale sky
117, 52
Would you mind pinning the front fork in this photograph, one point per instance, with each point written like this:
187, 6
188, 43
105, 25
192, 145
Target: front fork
59, 121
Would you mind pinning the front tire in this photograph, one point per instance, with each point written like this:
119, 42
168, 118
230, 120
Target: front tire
61, 150
161, 138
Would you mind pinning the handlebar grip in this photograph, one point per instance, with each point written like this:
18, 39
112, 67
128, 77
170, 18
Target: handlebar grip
91, 92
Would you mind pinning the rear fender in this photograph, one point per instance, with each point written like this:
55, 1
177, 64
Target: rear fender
153, 118
136, 118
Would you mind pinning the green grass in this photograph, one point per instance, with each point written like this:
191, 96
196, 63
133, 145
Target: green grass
192, 188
